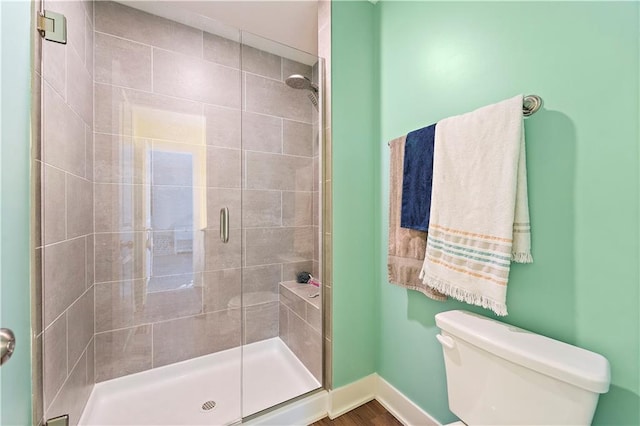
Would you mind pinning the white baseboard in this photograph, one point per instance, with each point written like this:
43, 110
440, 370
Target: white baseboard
351, 396
302, 412
346, 398
402, 407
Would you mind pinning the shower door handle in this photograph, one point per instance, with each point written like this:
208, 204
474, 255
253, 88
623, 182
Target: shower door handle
8, 344
224, 224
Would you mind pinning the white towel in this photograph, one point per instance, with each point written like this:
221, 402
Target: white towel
479, 208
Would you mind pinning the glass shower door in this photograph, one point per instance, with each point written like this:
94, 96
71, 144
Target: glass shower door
282, 319
141, 152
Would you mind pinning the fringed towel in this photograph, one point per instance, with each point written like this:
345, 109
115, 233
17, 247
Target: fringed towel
406, 246
417, 175
479, 208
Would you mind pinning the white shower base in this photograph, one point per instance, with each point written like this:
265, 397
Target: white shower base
174, 394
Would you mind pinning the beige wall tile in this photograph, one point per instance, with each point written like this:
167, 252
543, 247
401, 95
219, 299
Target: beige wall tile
297, 138
119, 256
290, 270
315, 137
125, 22
55, 359
175, 282
221, 50
223, 126
261, 322
74, 394
260, 62
283, 323
272, 171
119, 159
316, 174
276, 245
64, 135
290, 67
222, 289
315, 207
89, 256
314, 318
88, 151
190, 337
119, 208
297, 208
196, 79
261, 208
316, 247
54, 209
114, 304
306, 344
91, 376
79, 206
80, 325
263, 280
122, 62
261, 132
292, 301
79, 87
90, 10
122, 352
155, 116
89, 41
54, 66
219, 255
64, 276
223, 167
128, 303
272, 97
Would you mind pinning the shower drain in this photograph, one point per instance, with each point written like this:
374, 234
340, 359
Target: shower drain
208, 405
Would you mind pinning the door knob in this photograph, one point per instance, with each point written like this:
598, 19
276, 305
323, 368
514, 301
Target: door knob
7, 344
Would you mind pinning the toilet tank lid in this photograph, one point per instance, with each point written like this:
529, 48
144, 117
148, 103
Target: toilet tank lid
580, 367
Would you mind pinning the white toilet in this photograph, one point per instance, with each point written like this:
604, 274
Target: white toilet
498, 374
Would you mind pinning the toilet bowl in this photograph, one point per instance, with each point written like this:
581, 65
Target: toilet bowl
498, 374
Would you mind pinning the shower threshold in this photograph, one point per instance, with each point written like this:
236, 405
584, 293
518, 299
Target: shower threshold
183, 393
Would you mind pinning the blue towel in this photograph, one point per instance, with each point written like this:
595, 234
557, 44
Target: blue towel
416, 179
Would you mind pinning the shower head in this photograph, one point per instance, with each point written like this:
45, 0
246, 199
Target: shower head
297, 81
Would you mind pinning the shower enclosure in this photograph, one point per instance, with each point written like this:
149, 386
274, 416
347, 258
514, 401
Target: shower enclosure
179, 195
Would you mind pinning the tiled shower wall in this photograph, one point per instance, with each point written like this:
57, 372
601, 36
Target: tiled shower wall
66, 207
171, 104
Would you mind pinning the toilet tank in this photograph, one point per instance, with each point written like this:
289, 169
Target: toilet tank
498, 374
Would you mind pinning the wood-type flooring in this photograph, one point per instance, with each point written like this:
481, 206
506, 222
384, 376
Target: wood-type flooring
371, 413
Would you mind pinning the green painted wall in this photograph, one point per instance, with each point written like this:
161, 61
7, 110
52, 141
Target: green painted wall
438, 59
15, 66
355, 135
